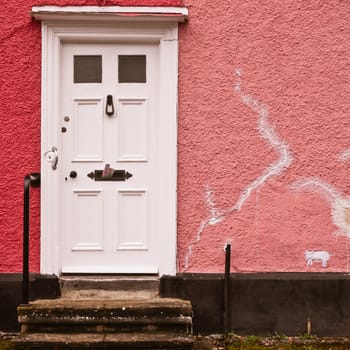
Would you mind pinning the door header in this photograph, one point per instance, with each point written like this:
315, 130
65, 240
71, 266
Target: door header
110, 13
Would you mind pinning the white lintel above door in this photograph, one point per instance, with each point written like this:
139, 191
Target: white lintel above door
113, 13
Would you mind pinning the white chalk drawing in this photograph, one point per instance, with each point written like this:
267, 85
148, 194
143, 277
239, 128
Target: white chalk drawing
339, 203
344, 155
266, 131
312, 256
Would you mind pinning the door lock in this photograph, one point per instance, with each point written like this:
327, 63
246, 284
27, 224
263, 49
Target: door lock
73, 174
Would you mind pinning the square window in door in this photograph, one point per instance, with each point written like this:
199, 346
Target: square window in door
87, 69
132, 68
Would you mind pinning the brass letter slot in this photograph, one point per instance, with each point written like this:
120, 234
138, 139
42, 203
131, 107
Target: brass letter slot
116, 175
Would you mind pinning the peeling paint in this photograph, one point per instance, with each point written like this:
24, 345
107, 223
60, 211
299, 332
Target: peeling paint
266, 131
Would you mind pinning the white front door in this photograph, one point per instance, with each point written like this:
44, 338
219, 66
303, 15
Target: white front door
109, 158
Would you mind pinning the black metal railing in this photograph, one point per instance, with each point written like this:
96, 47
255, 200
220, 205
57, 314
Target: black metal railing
30, 180
227, 280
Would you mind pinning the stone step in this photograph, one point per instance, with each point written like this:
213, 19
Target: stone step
122, 341
106, 316
115, 287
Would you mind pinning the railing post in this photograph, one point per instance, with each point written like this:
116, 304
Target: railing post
34, 181
226, 314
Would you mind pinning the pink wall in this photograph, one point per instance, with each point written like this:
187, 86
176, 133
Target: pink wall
264, 146
20, 52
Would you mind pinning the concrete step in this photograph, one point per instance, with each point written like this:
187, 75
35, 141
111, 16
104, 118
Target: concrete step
113, 287
106, 316
122, 341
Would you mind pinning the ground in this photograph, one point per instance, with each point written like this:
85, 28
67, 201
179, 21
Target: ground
277, 342
235, 342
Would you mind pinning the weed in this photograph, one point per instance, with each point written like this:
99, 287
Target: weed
307, 336
251, 339
6, 345
280, 336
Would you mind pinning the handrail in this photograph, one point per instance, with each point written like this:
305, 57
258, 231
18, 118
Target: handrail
30, 180
227, 299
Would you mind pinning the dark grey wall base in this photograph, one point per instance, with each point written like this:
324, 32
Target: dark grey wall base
260, 304
41, 286
265, 303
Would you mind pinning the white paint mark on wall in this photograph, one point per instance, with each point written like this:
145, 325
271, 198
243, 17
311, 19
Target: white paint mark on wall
267, 132
312, 256
344, 155
340, 204
214, 218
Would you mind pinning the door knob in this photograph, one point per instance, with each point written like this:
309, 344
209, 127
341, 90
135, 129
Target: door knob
52, 157
73, 174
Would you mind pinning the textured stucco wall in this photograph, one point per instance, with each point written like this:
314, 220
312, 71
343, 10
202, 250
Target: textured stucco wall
20, 52
264, 147
264, 136
20, 129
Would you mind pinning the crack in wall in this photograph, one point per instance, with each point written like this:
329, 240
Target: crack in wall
267, 132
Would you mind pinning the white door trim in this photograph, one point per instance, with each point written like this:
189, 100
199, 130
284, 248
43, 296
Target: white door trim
54, 34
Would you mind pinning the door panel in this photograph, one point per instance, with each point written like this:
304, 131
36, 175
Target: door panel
88, 126
109, 226
133, 220
133, 135
88, 220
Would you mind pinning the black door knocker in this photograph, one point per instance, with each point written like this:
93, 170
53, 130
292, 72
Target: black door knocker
109, 105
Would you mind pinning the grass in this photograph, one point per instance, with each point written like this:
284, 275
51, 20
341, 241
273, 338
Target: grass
232, 341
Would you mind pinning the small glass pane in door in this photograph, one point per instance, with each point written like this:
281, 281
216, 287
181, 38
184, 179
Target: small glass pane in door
87, 69
132, 68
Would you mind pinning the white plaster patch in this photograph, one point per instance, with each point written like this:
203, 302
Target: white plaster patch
266, 131
340, 204
344, 155
312, 256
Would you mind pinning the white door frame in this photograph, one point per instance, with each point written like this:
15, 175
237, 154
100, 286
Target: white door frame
57, 30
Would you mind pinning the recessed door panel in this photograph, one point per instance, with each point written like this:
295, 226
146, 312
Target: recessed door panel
133, 136
88, 220
88, 130
132, 220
